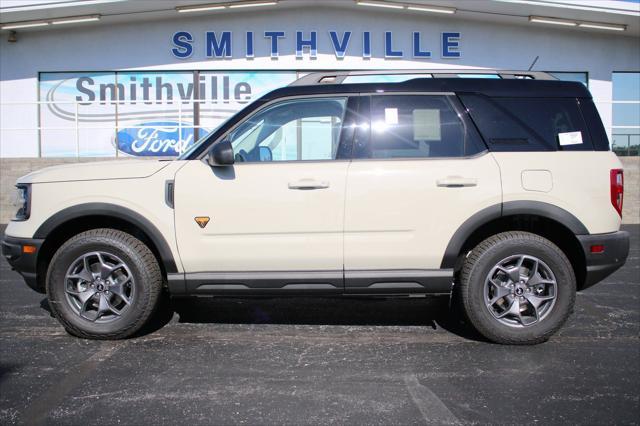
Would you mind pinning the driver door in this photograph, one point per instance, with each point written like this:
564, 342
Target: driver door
275, 217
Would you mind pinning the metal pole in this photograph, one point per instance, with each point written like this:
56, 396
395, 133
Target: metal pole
180, 125
38, 106
196, 105
77, 133
116, 120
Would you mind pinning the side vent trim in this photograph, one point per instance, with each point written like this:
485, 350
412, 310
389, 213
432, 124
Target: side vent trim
168, 193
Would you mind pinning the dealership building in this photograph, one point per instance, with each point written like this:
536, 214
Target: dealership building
118, 78
105, 78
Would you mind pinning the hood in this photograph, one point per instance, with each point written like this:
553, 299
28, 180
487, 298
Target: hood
96, 170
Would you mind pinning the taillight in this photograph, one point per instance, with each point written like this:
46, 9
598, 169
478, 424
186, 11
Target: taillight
617, 189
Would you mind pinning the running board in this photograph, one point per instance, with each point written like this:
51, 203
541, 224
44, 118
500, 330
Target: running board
367, 282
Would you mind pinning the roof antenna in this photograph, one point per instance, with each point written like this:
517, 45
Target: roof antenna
533, 63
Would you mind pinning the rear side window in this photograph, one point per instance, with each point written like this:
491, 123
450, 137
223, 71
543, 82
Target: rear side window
529, 124
415, 126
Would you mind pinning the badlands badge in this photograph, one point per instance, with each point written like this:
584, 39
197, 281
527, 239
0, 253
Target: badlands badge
201, 221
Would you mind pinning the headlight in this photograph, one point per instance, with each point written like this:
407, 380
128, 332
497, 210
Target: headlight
22, 202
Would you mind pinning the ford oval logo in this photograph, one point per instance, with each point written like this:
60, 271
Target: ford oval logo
157, 138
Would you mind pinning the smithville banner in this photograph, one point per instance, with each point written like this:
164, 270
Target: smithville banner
220, 45
142, 113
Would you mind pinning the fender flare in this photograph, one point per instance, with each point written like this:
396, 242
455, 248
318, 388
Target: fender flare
510, 208
111, 210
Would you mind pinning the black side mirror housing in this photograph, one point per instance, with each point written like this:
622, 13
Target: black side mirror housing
221, 154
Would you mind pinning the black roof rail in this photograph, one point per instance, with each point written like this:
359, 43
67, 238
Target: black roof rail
337, 77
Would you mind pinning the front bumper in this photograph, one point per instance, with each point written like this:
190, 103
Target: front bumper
601, 265
24, 263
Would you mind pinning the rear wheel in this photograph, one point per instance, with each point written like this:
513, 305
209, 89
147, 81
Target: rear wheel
104, 284
517, 288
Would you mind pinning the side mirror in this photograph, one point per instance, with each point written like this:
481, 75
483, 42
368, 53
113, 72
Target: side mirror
221, 154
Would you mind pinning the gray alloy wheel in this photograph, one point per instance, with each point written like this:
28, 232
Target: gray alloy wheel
104, 284
99, 286
520, 290
516, 287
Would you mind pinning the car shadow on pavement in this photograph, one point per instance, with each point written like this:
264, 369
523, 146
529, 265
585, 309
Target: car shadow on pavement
431, 313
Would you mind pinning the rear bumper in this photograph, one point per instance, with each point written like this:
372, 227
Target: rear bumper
601, 265
24, 263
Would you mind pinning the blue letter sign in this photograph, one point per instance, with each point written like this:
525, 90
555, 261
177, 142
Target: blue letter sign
220, 44
219, 49
182, 41
450, 45
417, 53
274, 36
312, 44
340, 46
388, 47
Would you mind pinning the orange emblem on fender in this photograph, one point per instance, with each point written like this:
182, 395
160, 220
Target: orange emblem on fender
202, 221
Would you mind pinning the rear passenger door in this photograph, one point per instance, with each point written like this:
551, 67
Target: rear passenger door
419, 170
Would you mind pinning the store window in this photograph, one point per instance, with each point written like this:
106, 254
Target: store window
626, 113
142, 114
487, 76
580, 77
382, 78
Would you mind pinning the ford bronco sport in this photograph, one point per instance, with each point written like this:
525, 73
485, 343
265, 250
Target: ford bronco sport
501, 193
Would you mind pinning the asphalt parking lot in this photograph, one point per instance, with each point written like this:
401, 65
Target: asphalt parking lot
306, 361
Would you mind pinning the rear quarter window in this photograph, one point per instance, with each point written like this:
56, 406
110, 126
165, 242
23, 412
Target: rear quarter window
529, 124
594, 123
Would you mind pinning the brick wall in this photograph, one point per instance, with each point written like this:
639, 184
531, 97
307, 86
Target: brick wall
13, 168
631, 207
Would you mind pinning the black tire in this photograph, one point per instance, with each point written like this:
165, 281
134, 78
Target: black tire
479, 264
144, 268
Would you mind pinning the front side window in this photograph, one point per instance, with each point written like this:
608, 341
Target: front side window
415, 126
293, 130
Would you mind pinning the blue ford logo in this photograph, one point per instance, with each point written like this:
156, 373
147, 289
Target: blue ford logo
158, 138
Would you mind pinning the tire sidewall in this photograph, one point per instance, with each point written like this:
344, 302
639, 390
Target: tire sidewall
55, 284
489, 326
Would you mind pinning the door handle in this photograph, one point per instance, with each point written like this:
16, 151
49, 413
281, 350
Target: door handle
307, 184
456, 182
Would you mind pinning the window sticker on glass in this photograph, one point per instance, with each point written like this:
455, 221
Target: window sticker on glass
426, 125
391, 115
570, 138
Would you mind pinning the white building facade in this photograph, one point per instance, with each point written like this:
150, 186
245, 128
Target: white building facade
147, 78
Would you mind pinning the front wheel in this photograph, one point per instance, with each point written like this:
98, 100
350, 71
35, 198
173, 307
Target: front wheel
517, 288
104, 284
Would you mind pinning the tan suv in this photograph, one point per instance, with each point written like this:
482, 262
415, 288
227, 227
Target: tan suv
500, 192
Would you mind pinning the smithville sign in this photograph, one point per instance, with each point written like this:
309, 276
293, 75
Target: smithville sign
219, 45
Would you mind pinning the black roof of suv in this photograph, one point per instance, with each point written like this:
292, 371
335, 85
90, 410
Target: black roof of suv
489, 87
